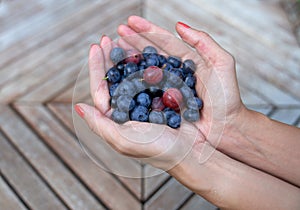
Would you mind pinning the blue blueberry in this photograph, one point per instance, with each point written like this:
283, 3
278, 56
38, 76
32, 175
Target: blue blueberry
152, 60
113, 75
191, 115
174, 121
149, 50
125, 103
130, 68
174, 61
125, 88
143, 99
162, 60
186, 92
138, 84
167, 67
189, 67
139, 113
113, 88
157, 117
117, 54
119, 116
190, 81
168, 112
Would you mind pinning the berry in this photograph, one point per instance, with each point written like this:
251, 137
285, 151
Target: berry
199, 102
113, 88
190, 81
113, 102
168, 112
175, 78
125, 103
172, 98
186, 92
143, 99
154, 91
153, 75
152, 60
162, 60
138, 84
194, 103
125, 88
133, 56
113, 75
174, 121
117, 54
191, 115
189, 67
167, 67
174, 61
149, 50
140, 113
130, 68
119, 117
156, 117
157, 104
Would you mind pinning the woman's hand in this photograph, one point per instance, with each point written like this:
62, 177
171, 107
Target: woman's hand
189, 153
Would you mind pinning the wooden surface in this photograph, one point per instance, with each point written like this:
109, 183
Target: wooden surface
44, 45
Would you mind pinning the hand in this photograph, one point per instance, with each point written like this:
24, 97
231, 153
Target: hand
219, 179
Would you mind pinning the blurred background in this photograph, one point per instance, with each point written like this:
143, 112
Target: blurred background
43, 46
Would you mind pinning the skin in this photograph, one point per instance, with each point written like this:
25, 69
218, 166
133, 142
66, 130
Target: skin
233, 157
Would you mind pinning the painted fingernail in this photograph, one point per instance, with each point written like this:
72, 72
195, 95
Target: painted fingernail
184, 25
79, 110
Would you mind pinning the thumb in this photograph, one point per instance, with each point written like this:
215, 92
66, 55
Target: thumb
210, 51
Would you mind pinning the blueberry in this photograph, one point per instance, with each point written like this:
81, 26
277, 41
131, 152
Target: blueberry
175, 78
162, 60
142, 65
143, 99
113, 75
174, 121
125, 88
186, 92
199, 102
119, 117
189, 67
156, 117
190, 81
130, 68
117, 54
120, 67
138, 84
192, 103
113, 88
152, 60
149, 50
154, 91
167, 67
168, 112
140, 113
191, 115
113, 102
174, 61
125, 103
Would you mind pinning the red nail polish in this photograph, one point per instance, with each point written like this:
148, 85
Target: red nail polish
79, 110
184, 25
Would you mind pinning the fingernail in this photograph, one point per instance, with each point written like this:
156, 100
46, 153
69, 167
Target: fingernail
79, 110
184, 25
92, 45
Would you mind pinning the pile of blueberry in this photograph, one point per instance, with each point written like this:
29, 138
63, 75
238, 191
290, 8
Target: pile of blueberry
150, 87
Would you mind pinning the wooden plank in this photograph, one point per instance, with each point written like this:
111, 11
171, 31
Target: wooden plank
70, 68
170, 196
52, 32
61, 180
8, 199
197, 202
286, 115
103, 184
30, 187
101, 152
153, 179
84, 23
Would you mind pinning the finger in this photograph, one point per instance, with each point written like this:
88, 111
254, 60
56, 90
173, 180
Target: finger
211, 52
106, 45
159, 36
133, 39
98, 86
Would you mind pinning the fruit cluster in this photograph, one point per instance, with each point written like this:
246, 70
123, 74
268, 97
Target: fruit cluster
150, 87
